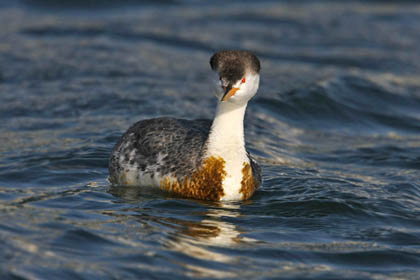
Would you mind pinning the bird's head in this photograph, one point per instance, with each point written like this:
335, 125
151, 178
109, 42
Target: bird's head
238, 73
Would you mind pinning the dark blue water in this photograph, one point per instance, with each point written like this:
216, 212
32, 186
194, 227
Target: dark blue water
335, 126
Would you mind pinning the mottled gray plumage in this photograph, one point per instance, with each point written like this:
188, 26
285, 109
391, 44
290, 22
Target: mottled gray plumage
165, 145
179, 142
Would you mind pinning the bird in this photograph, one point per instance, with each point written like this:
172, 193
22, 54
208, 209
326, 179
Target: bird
197, 159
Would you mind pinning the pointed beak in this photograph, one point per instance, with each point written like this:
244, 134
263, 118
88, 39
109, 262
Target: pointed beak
229, 92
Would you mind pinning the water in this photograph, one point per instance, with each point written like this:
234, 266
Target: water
335, 126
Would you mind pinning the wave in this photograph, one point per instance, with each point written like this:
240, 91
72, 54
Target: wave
348, 103
91, 4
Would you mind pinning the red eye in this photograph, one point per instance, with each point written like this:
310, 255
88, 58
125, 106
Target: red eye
243, 80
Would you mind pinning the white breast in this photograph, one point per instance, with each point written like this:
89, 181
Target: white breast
226, 140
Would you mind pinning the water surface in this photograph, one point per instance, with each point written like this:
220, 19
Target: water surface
335, 126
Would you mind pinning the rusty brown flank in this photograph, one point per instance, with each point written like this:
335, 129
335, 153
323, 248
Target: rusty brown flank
205, 184
248, 183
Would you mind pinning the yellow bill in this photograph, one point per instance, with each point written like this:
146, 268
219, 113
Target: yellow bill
230, 94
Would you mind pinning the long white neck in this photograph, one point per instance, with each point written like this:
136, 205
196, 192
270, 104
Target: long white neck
226, 140
227, 131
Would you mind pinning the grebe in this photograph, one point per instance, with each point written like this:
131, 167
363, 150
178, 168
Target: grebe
199, 159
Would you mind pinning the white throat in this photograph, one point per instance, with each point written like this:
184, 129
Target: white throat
226, 140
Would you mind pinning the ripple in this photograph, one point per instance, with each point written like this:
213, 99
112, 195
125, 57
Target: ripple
335, 126
347, 103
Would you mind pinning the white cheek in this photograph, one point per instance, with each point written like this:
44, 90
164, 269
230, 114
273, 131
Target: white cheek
239, 97
246, 92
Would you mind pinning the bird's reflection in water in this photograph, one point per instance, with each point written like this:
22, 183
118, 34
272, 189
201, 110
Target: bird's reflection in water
200, 238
